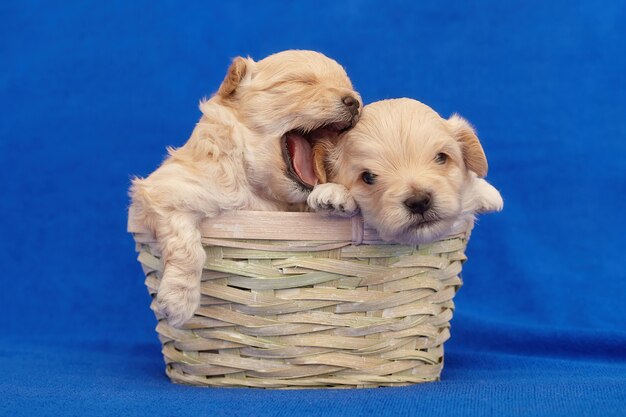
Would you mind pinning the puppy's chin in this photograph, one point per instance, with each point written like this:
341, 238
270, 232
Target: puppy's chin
270, 176
416, 233
295, 193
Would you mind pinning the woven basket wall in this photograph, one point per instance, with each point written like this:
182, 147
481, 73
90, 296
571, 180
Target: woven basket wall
289, 301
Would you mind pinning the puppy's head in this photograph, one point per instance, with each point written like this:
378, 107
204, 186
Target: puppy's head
288, 100
408, 168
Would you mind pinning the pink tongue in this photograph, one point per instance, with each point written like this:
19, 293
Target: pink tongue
302, 158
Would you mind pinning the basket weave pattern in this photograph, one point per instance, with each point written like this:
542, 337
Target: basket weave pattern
298, 313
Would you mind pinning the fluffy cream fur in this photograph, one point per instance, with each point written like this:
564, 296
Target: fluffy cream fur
407, 151
235, 160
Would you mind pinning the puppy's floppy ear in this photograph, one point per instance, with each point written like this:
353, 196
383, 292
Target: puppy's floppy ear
473, 154
238, 70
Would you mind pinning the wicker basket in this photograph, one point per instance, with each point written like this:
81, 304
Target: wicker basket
296, 300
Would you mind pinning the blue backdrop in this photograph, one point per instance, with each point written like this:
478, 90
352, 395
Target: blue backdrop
91, 93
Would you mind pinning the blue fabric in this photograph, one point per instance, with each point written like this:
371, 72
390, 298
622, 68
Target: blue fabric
91, 93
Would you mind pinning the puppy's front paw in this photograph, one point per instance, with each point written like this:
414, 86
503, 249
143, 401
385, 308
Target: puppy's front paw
489, 199
177, 301
333, 199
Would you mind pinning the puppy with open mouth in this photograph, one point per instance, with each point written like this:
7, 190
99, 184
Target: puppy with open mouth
251, 150
415, 176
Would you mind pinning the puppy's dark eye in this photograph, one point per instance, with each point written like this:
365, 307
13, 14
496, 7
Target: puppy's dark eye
441, 158
368, 177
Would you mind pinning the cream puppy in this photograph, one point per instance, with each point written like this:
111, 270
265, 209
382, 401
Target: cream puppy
415, 176
251, 150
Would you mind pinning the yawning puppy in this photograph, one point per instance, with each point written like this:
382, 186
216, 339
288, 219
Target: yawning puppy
251, 150
415, 176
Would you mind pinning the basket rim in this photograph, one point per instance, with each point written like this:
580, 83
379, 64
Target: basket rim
281, 225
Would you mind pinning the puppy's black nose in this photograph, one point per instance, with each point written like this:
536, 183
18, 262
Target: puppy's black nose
352, 104
420, 202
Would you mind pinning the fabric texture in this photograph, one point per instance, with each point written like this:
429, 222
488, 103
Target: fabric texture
92, 93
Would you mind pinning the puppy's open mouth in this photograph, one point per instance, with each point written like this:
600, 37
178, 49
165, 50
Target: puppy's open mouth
297, 147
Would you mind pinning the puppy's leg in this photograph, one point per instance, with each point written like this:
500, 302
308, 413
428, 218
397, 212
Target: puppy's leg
183, 256
485, 197
333, 199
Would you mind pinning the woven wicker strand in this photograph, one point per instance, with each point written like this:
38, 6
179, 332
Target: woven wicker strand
288, 301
